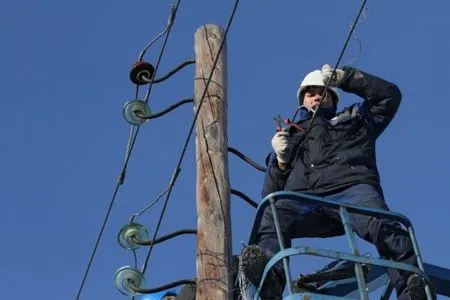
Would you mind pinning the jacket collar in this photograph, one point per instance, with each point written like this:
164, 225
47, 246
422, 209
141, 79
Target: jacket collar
305, 113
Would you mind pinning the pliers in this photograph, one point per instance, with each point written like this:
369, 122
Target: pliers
281, 124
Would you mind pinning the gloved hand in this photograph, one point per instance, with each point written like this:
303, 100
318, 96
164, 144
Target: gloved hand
327, 71
283, 144
280, 145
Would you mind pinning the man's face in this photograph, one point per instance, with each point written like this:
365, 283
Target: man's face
312, 96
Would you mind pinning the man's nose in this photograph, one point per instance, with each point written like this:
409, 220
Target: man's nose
317, 97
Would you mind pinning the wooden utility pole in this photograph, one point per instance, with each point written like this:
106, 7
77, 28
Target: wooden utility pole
214, 281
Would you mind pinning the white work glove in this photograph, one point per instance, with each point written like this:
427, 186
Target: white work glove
283, 143
327, 71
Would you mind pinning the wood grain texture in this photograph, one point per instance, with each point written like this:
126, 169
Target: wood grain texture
213, 191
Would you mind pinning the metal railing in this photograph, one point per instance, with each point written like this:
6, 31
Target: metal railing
353, 256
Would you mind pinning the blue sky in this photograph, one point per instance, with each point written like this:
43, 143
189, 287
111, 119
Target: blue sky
64, 79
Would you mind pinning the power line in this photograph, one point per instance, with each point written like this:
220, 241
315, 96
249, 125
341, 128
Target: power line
327, 85
166, 110
132, 140
170, 24
244, 197
247, 159
360, 45
170, 73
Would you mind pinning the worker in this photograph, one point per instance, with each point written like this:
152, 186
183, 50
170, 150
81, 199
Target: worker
331, 154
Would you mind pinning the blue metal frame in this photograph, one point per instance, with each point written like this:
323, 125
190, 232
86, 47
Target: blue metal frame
378, 278
345, 217
355, 256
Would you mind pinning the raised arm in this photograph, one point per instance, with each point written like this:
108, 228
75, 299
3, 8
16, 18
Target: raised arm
382, 98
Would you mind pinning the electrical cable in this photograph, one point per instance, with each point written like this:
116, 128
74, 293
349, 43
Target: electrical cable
134, 258
165, 111
130, 146
355, 36
148, 206
361, 9
247, 159
244, 197
165, 237
170, 73
166, 38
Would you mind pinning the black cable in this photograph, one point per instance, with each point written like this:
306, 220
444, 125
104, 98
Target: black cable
165, 111
169, 74
123, 171
169, 23
247, 159
166, 38
166, 31
244, 197
134, 257
165, 237
160, 288
337, 63
360, 45
108, 212
136, 95
177, 169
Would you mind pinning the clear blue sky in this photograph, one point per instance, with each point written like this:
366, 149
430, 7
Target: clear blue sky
64, 79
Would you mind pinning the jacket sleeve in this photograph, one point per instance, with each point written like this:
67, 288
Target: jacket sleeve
274, 179
382, 98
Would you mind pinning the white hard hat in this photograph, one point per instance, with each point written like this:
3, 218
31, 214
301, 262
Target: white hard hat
315, 79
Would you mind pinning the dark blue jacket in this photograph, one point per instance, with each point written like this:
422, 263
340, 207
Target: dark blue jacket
339, 149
